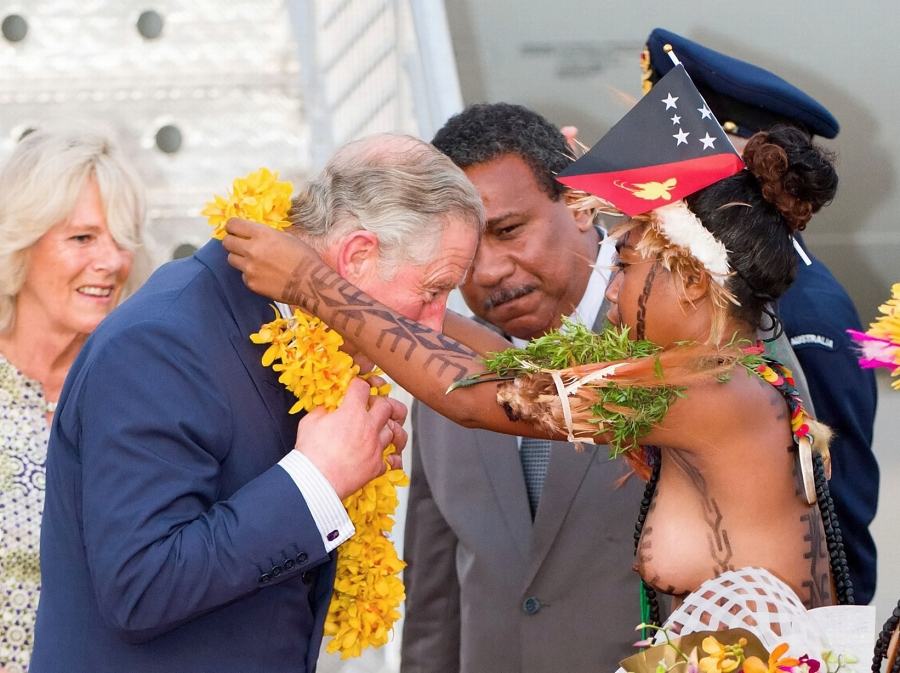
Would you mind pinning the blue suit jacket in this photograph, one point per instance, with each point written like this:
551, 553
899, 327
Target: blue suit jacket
171, 540
816, 312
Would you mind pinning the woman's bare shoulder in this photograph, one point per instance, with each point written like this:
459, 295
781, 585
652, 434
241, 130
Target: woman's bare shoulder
708, 414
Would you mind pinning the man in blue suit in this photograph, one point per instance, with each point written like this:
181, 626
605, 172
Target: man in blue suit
190, 523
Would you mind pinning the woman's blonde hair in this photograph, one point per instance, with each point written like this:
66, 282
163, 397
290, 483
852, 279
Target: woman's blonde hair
397, 187
39, 185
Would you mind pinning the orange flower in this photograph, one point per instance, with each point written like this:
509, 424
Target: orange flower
777, 662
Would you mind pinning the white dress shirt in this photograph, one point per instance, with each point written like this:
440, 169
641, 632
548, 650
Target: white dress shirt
324, 504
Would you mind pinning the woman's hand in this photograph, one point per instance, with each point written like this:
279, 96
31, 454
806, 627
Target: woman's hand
265, 257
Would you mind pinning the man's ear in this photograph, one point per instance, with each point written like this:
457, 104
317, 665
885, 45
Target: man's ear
356, 256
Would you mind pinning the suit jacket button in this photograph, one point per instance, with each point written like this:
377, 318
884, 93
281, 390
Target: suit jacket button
264, 578
289, 563
531, 605
301, 557
275, 571
306, 578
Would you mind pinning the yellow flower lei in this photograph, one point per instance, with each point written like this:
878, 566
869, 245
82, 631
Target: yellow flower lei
259, 197
306, 352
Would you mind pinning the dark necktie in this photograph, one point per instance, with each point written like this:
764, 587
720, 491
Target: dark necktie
535, 457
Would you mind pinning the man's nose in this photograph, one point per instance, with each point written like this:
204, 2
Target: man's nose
491, 266
433, 315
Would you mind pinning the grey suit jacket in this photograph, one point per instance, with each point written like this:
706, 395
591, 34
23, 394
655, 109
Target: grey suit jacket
488, 591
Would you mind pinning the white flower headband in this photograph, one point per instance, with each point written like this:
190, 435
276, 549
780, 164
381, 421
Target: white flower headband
684, 229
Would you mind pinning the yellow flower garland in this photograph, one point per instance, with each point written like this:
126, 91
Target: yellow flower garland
259, 197
367, 588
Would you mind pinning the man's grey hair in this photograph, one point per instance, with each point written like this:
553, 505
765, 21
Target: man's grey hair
397, 187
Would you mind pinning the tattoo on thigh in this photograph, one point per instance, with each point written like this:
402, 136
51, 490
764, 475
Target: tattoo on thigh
640, 328
717, 535
351, 310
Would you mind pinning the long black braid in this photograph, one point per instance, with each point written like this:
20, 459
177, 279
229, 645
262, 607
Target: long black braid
884, 639
840, 571
647, 500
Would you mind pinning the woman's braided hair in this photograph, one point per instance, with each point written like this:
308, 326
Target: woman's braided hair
884, 640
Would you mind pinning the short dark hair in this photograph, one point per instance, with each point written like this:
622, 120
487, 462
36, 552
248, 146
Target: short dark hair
487, 131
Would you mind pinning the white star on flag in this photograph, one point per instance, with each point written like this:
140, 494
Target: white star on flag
708, 142
705, 112
676, 119
670, 101
681, 137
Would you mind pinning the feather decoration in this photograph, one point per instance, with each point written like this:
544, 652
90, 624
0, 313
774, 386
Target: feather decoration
613, 387
880, 344
624, 403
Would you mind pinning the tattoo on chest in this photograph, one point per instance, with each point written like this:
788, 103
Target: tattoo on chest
645, 554
818, 586
716, 535
640, 328
350, 310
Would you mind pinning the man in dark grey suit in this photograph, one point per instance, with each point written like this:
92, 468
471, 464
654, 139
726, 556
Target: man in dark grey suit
520, 551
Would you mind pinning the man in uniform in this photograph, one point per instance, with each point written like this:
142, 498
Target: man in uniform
520, 551
816, 311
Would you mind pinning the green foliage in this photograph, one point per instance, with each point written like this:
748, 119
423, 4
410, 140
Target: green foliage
572, 344
623, 414
648, 406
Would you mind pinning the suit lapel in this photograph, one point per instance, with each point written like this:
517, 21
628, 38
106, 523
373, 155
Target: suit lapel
500, 455
567, 470
249, 311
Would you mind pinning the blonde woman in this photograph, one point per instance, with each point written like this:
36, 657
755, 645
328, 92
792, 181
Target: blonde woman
71, 218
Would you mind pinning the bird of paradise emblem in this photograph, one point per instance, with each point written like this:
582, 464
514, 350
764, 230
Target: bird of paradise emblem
650, 191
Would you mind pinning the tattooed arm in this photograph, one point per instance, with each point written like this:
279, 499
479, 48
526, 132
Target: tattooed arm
476, 336
425, 362
421, 360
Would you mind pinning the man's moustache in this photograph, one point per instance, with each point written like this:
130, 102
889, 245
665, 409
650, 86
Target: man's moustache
506, 294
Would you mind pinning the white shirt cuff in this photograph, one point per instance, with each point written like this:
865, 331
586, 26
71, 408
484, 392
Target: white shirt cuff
326, 508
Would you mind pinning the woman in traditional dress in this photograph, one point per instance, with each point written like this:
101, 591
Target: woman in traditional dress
726, 489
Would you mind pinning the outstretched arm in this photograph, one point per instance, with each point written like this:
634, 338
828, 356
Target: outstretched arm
426, 363
421, 360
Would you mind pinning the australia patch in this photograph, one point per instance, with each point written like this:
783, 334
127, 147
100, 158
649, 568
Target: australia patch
812, 340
